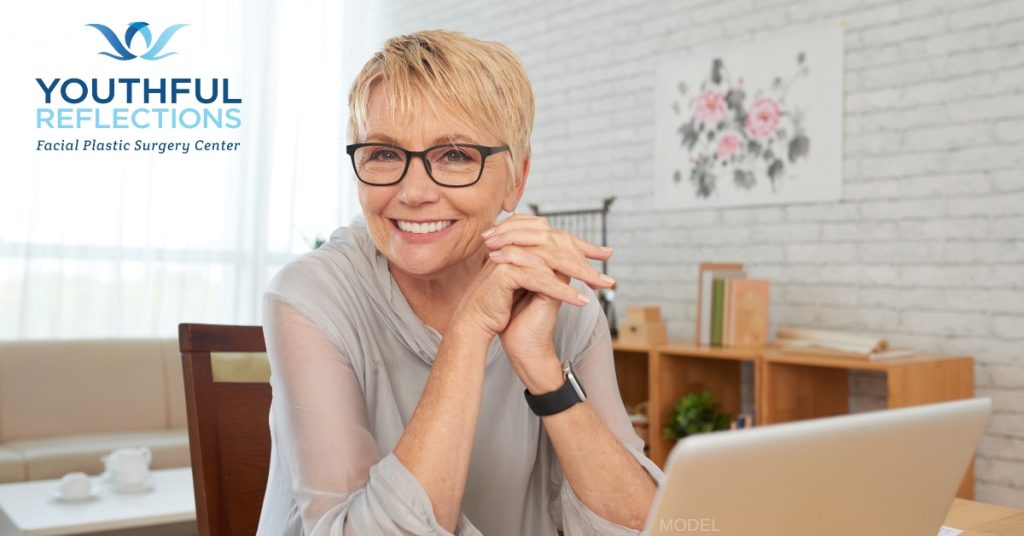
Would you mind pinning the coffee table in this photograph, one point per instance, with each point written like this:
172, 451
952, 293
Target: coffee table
28, 509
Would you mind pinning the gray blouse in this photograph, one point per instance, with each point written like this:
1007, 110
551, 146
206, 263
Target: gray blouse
349, 360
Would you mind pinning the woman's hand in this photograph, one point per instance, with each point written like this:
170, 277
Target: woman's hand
529, 242
489, 302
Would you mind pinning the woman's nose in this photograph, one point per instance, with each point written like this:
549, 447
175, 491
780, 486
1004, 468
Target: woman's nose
417, 187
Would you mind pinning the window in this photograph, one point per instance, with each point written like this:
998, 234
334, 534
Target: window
130, 243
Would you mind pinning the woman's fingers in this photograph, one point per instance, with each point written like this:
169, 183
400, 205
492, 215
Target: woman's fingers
559, 250
550, 237
520, 221
530, 272
526, 230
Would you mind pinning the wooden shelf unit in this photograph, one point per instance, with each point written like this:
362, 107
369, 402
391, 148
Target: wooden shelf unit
676, 369
787, 387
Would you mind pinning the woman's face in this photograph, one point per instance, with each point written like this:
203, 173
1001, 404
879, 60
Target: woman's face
402, 217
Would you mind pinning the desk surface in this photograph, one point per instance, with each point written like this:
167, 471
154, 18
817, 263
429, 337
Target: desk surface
980, 519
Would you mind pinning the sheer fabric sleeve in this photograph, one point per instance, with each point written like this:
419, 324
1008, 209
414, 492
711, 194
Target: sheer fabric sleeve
596, 369
340, 482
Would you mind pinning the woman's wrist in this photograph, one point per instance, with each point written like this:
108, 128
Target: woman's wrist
468, 333
542, 376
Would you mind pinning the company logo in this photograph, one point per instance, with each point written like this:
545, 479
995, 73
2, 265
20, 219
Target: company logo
137, 28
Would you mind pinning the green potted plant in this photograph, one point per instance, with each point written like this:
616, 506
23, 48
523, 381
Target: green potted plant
696, 413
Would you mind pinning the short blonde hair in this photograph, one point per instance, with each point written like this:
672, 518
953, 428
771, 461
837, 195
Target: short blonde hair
482, 79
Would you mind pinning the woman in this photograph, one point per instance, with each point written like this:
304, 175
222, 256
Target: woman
400, 352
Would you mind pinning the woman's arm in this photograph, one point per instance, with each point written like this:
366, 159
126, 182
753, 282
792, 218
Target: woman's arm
437, 443
600, 454
339, 481
605, 476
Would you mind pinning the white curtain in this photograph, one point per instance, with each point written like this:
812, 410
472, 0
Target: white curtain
129, 244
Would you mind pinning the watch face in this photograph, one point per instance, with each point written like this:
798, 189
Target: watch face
570, 377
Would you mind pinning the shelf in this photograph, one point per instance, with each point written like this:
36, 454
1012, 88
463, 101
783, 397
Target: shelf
672, 370
711, 352
780, 356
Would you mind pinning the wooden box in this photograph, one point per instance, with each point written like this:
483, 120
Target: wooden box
643, 333
643, 314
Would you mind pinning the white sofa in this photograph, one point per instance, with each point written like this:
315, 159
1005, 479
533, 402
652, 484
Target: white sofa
64, 404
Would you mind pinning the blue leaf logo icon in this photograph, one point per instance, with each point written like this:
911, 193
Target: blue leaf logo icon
121, 50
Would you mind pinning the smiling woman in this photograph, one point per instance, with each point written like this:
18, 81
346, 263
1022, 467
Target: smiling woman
440, 370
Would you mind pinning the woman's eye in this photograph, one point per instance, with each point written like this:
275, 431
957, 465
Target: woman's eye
383, 154
456, 156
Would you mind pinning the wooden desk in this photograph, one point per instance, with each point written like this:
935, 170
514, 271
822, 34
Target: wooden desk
980, 519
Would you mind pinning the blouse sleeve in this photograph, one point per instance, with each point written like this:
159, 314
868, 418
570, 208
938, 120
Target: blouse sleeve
596, 369
340, 482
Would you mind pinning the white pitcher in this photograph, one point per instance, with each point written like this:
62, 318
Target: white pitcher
128, 467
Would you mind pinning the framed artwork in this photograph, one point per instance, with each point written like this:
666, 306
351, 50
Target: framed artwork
753, 124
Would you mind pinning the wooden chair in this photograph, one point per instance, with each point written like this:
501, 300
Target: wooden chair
229, 437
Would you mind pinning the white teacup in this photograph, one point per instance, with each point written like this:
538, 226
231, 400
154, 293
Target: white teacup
75, 486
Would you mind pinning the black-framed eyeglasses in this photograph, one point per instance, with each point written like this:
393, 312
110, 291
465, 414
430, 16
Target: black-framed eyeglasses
455, 165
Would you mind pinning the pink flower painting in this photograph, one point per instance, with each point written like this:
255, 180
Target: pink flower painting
762, 118
728, 145
710, 107
740, 132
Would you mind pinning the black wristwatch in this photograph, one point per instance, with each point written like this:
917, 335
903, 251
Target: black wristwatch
569, 394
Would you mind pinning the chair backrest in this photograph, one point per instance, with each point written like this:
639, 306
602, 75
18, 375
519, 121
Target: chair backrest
228, 432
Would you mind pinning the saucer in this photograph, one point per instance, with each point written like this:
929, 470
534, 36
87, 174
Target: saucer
141, 487
94, 493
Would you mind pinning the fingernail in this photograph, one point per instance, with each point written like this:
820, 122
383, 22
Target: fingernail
583, 298
489, 232
607, 279
495, 254
606, 248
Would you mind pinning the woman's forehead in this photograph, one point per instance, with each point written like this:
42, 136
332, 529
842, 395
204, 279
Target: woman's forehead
422, 119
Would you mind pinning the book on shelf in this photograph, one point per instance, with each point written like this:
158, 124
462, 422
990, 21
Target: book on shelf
831, 343
726, 306
821, 351
732, 310
708, 272
746, 312
717, 301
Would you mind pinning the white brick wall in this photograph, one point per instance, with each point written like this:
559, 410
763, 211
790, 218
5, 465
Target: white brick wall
926, 248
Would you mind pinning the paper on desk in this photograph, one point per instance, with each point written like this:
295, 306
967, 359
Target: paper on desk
948, 531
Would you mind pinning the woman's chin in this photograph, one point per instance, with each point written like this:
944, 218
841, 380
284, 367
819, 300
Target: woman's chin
417, 265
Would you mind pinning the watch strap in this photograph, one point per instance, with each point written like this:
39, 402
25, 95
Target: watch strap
558, 400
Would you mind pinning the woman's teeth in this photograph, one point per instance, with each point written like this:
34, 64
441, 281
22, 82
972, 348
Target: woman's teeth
422, 228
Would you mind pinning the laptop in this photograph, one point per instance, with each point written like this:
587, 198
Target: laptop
892, 472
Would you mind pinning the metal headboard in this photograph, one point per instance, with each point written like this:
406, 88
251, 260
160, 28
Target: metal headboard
589, 224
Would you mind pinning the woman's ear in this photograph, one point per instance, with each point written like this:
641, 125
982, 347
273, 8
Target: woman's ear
515, 194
